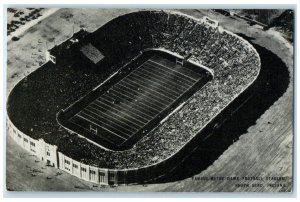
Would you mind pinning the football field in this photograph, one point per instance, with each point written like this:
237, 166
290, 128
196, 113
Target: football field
127, 107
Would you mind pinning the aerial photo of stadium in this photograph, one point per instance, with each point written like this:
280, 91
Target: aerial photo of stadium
149, 100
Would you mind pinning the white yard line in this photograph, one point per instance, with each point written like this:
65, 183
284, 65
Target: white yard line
184, 76
92, 109
140, 95
156, 96
120, 111
128, 96
28, 25
105, 116
88, 119
134, 110
147, 88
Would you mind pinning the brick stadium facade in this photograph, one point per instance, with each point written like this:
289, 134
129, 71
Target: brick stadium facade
52, 155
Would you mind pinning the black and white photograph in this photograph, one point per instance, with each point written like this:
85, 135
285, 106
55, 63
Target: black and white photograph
149, 99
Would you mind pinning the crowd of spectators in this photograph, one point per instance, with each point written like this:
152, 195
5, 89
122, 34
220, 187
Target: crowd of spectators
234, 62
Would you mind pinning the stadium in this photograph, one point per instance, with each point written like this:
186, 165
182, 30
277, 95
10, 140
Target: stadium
126, 103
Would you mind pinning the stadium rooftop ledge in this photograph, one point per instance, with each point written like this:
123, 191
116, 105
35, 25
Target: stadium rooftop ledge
233, 62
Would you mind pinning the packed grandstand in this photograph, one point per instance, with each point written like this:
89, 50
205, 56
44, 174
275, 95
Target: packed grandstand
35, 101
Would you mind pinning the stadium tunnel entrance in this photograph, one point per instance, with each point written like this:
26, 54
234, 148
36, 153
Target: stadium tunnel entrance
222, 132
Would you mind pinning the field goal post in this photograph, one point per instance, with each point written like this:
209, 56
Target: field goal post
93, 129
179, 61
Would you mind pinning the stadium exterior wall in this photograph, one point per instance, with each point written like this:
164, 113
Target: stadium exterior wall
44, 151
49, 154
